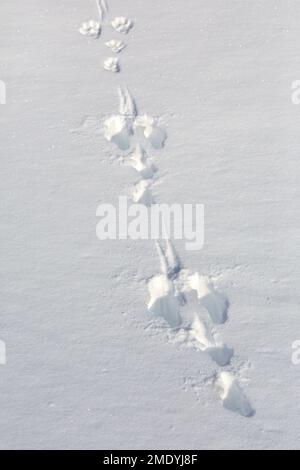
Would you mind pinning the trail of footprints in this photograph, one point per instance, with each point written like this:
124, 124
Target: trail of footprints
173, 290
168, 292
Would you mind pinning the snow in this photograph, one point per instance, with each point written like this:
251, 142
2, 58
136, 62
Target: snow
88, 366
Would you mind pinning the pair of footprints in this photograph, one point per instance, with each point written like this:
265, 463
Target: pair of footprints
168, 296
127, 128
121, 128
120, 24
130, 131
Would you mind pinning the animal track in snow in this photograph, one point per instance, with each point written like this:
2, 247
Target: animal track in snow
142, 193
2, 352
163, 302
168, 290
118, 128
90, 28
193, 333
102, 9
115, 45
111, 64
232, 396
152, 131
89, 124
121, 24
204, 340
140, 162
165, 298
215, 303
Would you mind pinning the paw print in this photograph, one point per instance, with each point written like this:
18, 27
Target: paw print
123, 127
121, 24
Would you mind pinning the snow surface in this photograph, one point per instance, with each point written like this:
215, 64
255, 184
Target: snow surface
88, 366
